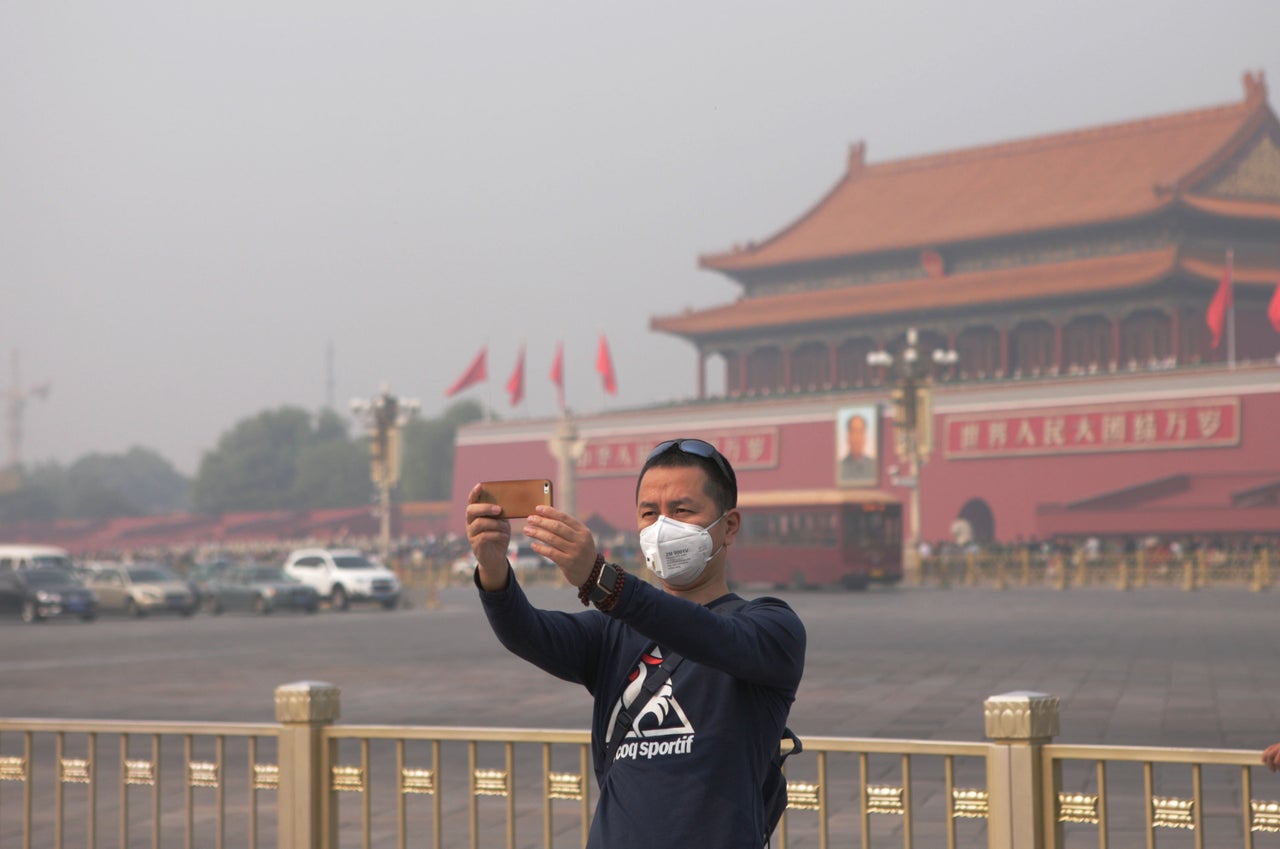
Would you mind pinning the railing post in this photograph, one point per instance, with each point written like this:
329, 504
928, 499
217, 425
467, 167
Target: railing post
307, 820
1019, 724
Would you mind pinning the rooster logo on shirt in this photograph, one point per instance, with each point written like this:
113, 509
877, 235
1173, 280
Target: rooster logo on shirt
662, 716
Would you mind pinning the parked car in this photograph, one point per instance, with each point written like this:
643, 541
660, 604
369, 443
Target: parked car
520, 555
343, 576
139, 589
43, 593
34, 557
262, 589
203, 575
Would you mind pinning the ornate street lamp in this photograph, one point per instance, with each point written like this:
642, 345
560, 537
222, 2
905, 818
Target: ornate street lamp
912, 377
385, 415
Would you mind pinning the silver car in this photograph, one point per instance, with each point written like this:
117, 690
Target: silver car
262, 589
142, 588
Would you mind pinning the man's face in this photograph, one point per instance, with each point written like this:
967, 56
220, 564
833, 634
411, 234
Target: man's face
857, 436
680, 493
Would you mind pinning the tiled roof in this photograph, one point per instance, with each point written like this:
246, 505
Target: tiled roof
1064, 279
1103, 174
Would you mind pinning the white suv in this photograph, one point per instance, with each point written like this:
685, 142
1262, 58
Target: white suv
343, 576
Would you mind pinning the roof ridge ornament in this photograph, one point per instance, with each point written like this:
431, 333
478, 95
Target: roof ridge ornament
1255, 86
857, 157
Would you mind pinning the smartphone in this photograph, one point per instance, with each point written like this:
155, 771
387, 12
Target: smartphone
517, 498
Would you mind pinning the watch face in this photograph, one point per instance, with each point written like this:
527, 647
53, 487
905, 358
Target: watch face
605, 584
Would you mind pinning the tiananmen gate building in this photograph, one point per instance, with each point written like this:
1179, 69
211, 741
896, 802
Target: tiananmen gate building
1070, 274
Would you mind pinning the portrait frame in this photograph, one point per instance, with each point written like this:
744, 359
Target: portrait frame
864, 470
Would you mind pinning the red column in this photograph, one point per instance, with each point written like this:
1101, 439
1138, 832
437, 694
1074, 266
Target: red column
1057, 348
702, 374
1115, 344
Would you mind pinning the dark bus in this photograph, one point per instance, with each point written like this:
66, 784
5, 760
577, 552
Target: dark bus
818, 538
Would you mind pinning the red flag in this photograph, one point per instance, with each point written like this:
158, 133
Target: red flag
515, 383
1273, 310
557, 373
477, 372
1216, 315
604, 365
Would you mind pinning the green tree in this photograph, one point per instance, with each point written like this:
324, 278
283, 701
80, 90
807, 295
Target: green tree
255, 464
332, 473
427, 454
37, 497
139, 481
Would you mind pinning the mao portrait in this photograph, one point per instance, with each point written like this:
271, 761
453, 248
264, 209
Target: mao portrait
856, 441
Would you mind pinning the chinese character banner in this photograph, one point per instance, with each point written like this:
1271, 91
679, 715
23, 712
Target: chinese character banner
744, 449
1127, 427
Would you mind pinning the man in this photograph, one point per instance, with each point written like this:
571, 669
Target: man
855, 465
689, 772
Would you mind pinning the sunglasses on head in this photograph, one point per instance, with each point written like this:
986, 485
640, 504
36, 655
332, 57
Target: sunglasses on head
697, 448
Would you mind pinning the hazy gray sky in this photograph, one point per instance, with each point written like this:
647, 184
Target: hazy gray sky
197, 197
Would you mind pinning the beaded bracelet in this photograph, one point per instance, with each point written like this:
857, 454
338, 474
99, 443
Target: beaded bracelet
584, 591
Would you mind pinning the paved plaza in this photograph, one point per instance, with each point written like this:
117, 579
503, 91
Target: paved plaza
1143, 667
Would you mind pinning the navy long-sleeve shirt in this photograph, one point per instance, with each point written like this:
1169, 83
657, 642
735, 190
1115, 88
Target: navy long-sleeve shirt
691, 768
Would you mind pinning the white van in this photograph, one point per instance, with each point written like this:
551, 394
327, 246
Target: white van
18, 557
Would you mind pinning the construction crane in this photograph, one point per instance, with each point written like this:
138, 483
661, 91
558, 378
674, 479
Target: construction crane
15, 404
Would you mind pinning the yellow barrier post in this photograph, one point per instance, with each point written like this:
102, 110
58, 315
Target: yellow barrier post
1082, 567
1202, 561
1140, 579
970, 568
1261, 572
1026, 567
1059, 567
1122, 574
1189, 573
306, 819
1000, 573
1020, 725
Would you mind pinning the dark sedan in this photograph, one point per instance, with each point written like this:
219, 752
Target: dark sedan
44, 593
261, 589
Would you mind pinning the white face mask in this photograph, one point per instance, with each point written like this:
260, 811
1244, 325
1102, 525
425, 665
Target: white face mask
677, 552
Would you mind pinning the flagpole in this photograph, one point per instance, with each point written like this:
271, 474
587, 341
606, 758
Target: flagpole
488, 388
1231, 310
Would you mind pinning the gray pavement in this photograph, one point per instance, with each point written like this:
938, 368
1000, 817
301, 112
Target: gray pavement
1144, 667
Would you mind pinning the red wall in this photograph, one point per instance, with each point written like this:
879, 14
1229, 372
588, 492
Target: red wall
1013, 487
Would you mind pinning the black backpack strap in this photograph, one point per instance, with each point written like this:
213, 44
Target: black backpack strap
652, 683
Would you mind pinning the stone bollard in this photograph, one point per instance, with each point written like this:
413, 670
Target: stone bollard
303, 708
1019, 724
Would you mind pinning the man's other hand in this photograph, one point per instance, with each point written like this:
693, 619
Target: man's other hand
563, 540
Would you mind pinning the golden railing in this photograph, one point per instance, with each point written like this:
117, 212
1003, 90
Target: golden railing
1067, 570
167, 784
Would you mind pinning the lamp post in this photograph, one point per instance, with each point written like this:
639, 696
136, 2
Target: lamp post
912, 376
385, 415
